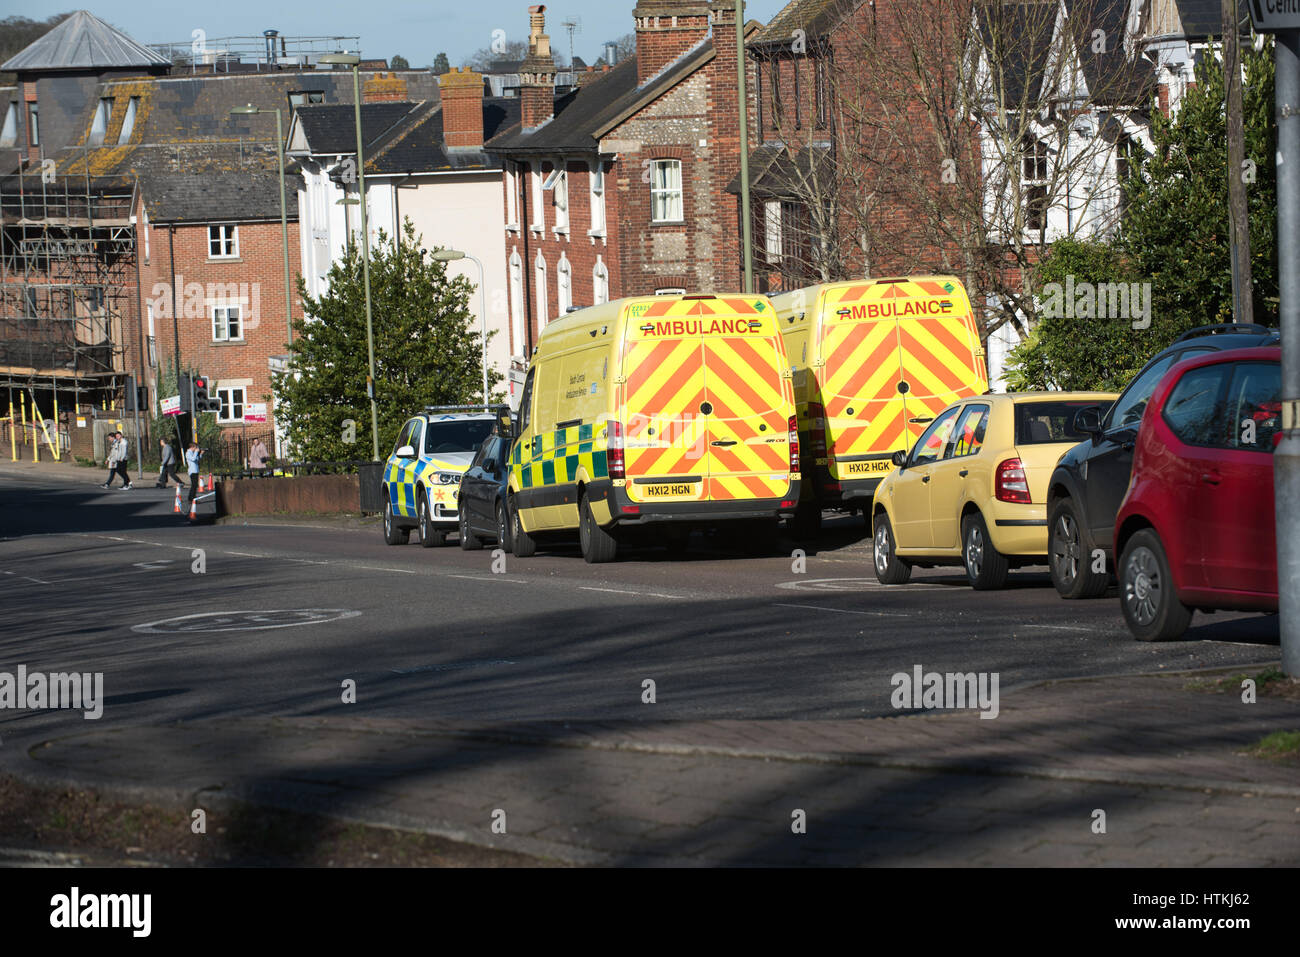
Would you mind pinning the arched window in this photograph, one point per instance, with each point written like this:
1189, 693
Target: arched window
600, 282
564, 285
517, 303
539, 268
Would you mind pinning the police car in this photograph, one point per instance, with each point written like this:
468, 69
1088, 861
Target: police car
422, 476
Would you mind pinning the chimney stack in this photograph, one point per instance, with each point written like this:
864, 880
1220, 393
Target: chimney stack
381, 87
665, 29
537, 73
462, 108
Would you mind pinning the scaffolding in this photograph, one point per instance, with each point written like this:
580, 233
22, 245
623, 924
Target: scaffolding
67, 293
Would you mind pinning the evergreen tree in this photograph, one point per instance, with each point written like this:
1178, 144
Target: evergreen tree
441, 64
427, 351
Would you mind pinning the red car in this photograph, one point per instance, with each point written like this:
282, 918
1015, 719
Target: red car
1195, 530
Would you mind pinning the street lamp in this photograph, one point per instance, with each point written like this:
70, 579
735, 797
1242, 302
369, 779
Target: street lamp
251, 110
451, 255
354, 61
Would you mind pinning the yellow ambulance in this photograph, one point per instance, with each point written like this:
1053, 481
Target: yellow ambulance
875, 360
670, 411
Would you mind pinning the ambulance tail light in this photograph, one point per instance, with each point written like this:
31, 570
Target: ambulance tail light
614, 451
794, 443
1010, 483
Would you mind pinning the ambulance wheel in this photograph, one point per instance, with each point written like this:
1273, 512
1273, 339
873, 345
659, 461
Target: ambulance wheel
468, 540
503, 528
392, 534
598, 545
890, 569
807, 521
986, 567
521, 543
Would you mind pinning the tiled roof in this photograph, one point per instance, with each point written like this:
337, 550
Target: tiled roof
1111, 77
814, 17
83, 41
1204, 18
776, 172
331, 128
1029, 26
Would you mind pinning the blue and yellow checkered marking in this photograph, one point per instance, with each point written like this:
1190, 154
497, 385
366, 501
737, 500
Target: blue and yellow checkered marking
563, 453
404, 495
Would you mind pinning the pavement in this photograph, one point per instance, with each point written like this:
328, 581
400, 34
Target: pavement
1123, 769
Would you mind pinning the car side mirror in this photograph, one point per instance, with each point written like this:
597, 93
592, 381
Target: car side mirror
405, 452
899, 459
1088, 420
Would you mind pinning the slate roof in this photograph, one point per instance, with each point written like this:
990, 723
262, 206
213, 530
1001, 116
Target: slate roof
1204, 18
814, 17
776, 172
331, 128
583, 115
83, 41
1031, 24
1112, 78
420, 147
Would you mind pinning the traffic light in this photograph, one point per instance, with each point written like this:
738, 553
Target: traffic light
202, 401
183, 388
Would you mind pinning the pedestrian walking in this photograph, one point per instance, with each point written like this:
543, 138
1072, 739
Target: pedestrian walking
168, 468
117, 459
257, 456
192, 456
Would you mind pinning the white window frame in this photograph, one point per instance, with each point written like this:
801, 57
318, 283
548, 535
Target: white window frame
128, 121
596, 188
517, 301
539, 279
557, 182
599, 282
512, 197
227, 396
144, 221
667, 192
539, 207
772, 230
227, 236
563, 286
33, 124
9, 132
1038, 154
225, 309
99, 122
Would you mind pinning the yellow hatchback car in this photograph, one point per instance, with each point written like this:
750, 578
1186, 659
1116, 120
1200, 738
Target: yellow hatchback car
973, 490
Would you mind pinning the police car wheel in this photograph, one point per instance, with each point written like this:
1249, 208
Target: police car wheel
521, 543
392, 534
890, 569
986, 567
503, 527
598, 545
430, 535
468, 541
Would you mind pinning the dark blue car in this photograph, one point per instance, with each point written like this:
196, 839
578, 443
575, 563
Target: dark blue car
483, 490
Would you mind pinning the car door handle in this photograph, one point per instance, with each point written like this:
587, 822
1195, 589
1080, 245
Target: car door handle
724, 443
1210, 478
964, 472
925, 478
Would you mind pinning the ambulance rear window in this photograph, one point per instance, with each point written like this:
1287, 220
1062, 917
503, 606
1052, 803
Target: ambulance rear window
1040, 423
456, 435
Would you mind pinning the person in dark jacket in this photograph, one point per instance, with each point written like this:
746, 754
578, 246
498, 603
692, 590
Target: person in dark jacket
168, 468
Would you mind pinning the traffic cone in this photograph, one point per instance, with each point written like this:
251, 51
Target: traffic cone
200, 484
177, 507
212, 483
194, 509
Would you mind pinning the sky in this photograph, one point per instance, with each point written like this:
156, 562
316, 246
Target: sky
416, 29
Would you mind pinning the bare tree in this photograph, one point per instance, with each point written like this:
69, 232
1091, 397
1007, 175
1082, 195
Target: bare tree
965, 141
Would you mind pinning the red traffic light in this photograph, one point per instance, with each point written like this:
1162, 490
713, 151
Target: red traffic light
200, 383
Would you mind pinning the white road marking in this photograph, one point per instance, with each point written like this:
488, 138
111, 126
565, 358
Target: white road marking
844, 611
29, 578
489, 578
628, 591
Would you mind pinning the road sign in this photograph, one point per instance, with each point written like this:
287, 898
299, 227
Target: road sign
255, 412
1270, 16
171, 405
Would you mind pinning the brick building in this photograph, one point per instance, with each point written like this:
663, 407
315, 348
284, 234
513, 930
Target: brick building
619, 187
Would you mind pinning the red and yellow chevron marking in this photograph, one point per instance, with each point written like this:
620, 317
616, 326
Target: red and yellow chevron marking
670, 375
869, 350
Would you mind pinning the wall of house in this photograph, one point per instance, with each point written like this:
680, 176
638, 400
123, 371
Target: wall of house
254, 279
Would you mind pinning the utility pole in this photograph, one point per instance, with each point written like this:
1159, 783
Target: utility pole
1238, 216
746, 226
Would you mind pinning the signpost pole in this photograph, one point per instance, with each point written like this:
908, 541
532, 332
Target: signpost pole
1286, 457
